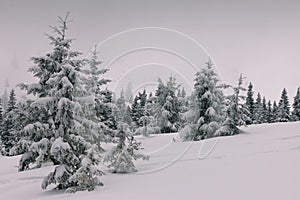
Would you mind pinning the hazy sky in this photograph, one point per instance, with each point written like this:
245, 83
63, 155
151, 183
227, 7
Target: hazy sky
260, 39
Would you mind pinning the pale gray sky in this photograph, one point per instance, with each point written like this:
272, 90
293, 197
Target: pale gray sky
260, 39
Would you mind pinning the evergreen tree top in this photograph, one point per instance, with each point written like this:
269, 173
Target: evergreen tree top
12, 101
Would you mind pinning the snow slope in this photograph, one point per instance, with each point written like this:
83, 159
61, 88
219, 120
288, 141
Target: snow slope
261, 163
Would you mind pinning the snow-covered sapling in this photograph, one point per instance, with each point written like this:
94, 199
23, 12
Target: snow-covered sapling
120, 158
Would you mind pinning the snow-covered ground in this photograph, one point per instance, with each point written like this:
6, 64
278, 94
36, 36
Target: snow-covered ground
261, 163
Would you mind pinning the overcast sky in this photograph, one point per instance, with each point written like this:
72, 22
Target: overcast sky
260, 39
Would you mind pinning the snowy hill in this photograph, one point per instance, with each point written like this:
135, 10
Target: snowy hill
261, 163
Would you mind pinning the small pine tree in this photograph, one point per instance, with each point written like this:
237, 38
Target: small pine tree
296, 106
209, 102
120, 158
284, 107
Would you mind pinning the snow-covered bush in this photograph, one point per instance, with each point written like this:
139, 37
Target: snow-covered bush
187, 133
147, 130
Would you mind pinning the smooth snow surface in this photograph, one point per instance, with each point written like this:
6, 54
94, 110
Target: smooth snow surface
261, 163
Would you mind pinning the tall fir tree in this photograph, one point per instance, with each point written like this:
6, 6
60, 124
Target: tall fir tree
283, 107
61, 130
296, 106
250, 102
209, 102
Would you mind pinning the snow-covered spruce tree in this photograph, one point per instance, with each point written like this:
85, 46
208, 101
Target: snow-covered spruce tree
283, 107
264, 110
62, 131
120, 158
236, 111
23, 115
296, 106
138, 108
209, 105
1, 126
258, 110
92, 81
250, 102
169, 119
269, 112
167, 106
136, 112
147, 120
9, 124
121, 104
106, 110
274, 114
183, 107
100, 111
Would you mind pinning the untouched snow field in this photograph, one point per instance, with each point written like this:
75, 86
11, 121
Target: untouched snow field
261, 163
